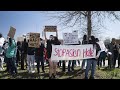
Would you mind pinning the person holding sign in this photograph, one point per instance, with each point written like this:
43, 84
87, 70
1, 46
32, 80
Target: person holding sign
10, 55
54, 63
31, 59
84, 60
92, 61
49, 51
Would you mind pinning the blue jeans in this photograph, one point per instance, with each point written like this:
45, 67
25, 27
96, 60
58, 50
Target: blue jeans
38, 60
12, 65
90, 62
83, 63
102, 59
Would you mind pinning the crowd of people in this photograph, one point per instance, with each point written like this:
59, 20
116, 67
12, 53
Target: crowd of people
15, 54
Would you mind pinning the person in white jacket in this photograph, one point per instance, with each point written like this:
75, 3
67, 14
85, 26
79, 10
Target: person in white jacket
103, 53
1, 51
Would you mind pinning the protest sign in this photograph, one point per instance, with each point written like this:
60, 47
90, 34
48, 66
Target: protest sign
34, 40
11, 32
70, 38
72, 52
50, 29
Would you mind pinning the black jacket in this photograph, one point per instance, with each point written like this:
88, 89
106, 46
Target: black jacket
24, 47
40, 51
30, 50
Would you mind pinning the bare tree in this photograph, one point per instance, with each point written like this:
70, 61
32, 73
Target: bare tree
90, 21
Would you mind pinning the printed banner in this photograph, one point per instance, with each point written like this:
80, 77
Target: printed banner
72, 52
12, 32
34, 40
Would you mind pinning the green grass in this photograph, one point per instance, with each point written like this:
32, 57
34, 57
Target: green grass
103, 73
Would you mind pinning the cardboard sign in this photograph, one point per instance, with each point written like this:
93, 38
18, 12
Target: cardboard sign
34, 40
72, 52
50, 29
70, 38
11, 32
118, 41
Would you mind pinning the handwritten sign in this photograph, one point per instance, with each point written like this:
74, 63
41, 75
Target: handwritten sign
34, 40
50, 29
70, 38
72, 52
12, 32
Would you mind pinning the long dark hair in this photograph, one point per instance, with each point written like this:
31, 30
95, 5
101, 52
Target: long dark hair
56, 40
93, 40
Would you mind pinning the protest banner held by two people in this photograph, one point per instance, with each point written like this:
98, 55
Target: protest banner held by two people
71, 50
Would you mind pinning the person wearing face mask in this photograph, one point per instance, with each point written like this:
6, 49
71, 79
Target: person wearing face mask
39, 53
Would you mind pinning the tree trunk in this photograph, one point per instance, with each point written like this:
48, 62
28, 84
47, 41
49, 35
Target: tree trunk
89, 24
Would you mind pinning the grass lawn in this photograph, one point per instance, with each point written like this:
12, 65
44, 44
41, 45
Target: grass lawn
103, 73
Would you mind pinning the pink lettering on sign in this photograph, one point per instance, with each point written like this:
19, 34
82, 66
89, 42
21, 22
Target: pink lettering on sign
88, 52
67, 52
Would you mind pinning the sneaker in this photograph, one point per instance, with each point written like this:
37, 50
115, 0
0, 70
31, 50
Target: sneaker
33, 71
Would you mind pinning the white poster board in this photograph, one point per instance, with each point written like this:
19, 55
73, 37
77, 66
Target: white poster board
70, 38
72, 52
